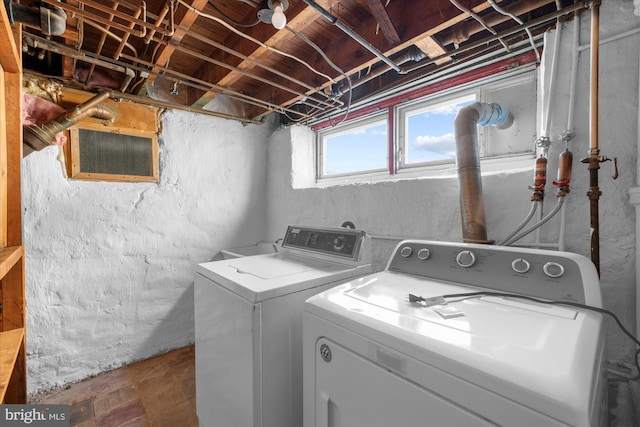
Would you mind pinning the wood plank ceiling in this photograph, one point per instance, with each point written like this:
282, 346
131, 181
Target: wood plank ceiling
330, 55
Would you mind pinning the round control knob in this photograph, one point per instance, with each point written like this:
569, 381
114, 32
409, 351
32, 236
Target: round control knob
406, 252
339, 242
520, 265
424, 253
466, 259
553, 269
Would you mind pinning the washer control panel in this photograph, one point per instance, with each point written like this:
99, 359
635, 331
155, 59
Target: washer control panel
539, 273
342, 242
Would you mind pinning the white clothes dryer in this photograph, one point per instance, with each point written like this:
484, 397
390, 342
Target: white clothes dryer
449, 357
248, 324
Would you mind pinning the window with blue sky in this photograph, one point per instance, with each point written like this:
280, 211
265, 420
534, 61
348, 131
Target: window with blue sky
423, 132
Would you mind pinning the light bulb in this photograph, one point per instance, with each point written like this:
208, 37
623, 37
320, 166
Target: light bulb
279, 20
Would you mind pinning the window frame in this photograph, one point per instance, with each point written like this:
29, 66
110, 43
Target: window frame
432, 102
481, 87
363, 122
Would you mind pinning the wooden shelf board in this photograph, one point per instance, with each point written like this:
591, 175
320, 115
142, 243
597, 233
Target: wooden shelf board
9, 257
10, 344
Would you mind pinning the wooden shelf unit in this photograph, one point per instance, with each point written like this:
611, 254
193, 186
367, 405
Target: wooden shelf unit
13, 369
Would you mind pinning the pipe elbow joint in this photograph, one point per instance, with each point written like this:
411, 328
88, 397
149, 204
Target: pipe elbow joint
493, 114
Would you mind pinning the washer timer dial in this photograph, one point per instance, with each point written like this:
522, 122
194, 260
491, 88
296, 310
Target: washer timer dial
553, 269
424, 253
406, 252
466, 259
520, 265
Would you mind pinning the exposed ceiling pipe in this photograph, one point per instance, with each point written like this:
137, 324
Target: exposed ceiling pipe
355, 36
37, 137
463, 31
471, 28
92, 15
51, 21
576, 7
50, 46
474, 228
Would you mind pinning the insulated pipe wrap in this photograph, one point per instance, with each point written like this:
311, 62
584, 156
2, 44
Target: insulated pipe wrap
51, 20
474, 228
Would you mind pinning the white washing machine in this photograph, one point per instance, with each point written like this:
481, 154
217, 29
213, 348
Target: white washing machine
373, 358
248, 324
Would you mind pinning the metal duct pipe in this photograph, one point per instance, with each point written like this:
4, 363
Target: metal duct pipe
51, 20
355, 36
474, 228
38, 137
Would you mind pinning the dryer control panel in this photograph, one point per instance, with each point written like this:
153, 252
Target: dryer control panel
538, 273
341, 242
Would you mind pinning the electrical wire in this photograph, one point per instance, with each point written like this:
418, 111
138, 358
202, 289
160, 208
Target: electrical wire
469, 295
233, 21
107, 32
332, 65
258, 42
519, 21
480, 20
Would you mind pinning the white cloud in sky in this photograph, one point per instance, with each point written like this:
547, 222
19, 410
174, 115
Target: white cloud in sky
443, 144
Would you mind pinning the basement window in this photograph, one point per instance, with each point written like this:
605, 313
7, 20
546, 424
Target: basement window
416, 138
358, 147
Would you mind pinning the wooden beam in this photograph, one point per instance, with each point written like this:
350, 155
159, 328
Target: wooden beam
183, 24
432, 49
379, 12
8, 50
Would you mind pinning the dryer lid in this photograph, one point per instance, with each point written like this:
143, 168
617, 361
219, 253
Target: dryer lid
535, 354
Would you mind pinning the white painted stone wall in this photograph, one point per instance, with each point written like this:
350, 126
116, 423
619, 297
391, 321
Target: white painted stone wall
429, 208
110, 266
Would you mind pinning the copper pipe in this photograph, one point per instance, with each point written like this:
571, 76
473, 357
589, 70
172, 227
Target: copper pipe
158, 21
126, 36
594, 62
171, 74
143, 24
594, 159
103, 39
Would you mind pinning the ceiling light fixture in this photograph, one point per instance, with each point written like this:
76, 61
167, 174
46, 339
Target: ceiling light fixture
272, 12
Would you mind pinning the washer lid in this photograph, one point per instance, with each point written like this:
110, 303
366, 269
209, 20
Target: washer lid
261, 277
539, 355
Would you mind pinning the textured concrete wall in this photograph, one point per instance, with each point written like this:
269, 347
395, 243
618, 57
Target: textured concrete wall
110, 266
429, 208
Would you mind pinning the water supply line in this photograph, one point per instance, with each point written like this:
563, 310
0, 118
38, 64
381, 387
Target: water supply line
594, 159
474, 228
38, 137
540, 171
